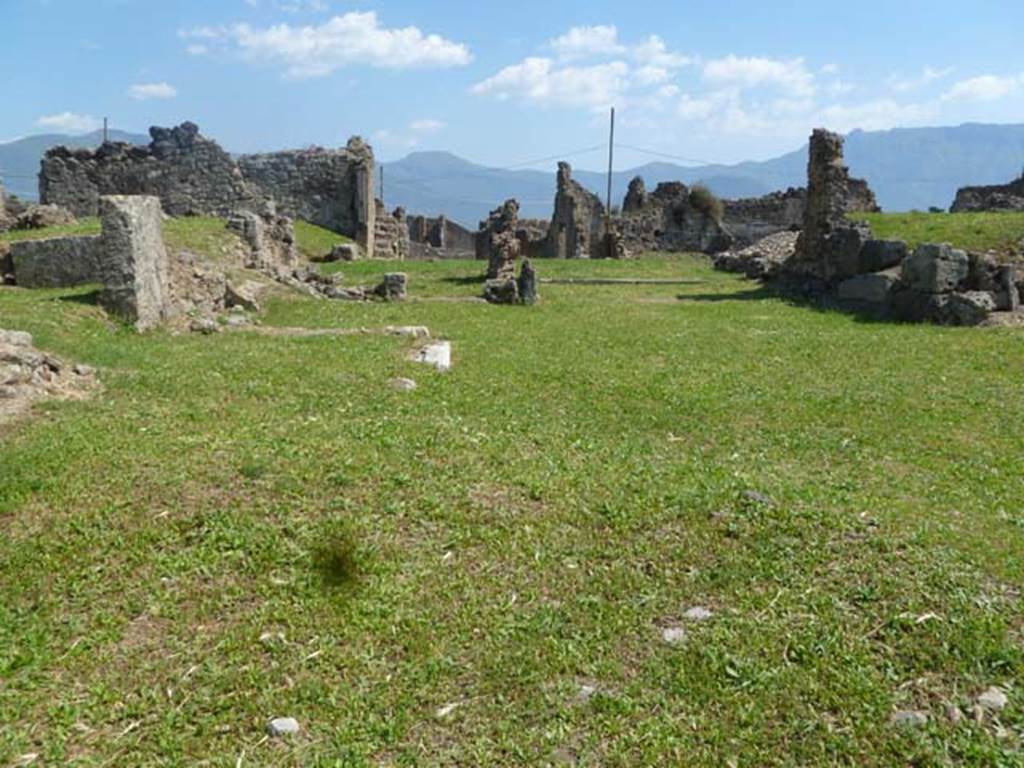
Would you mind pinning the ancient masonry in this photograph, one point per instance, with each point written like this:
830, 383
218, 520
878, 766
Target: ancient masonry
836, 260
578, 225
440, 238
1000, 197
191, 174
133, 267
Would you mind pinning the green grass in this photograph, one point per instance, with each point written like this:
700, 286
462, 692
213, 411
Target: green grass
315, 242
243, 526
90, 226
999, 232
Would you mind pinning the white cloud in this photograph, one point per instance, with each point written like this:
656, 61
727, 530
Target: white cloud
928, 76
148, 91
70, 122
196, 49
426, 126
349, 40
582, 42
541, 81
653, 52
984, 88
752, 72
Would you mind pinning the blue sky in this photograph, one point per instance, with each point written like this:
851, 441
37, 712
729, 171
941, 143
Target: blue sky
504, 83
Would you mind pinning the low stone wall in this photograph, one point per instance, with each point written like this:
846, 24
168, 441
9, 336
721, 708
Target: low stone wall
669, 220
391, 234
999, 197
751, 219
59, 262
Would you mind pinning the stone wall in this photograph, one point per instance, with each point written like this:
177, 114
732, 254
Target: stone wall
391, 234
668, 220
830, 246
269, 236
578, 225
1000, 197
189, 173
751, 219
5, 218
59, 262
332, 188
440, 238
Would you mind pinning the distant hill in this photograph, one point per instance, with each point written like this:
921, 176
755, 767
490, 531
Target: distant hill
19, 160
909, 168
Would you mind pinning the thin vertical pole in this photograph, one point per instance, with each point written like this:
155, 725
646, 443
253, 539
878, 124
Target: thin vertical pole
382, 185
611, 161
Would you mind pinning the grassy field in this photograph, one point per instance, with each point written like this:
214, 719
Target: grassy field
999, 232
479, 572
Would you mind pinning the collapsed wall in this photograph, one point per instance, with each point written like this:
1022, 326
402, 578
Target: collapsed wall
998, 197
5, 218
192, 175
672, 218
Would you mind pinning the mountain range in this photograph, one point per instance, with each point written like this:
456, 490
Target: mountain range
909, 168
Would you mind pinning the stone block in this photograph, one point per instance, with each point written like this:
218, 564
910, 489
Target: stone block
932, 269
880, 255
60, 262
501, 291
133, 263
868, 289
394, 287
971, 307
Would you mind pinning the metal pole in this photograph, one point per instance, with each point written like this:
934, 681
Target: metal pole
611, 161
382, 186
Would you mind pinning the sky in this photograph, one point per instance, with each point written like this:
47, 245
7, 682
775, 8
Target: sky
510, 83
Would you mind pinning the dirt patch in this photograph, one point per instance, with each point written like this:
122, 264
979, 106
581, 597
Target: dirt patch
28, 375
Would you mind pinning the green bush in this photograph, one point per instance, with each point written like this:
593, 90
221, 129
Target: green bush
705, 201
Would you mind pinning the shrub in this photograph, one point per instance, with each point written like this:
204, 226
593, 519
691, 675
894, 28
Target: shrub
705, 201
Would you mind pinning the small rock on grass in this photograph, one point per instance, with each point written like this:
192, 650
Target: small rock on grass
445, 712
283, 726
909, 719
699, 613
673, 635
403, 385
993, 700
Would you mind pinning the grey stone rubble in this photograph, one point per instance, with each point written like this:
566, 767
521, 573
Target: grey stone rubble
43, 216
269, 236
998, 197
763, 259
839, 261
27, 374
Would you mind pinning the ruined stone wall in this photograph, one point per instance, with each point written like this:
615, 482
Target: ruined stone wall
332, 188
751, 219
189, 173
830, 247
440, 238
59, 262
668, 220
577, 227
5, 218
999, 197
391, 234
